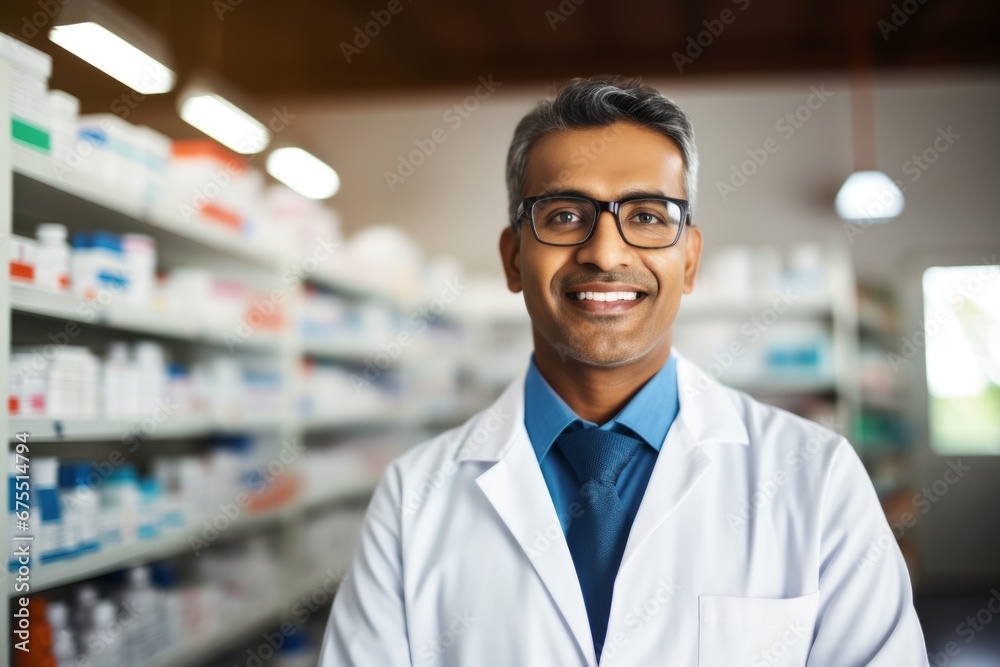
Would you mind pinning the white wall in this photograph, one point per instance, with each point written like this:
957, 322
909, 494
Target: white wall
455, 203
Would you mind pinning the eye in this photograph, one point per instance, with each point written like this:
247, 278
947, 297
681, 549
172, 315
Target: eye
562, 213
646, 218
566, 217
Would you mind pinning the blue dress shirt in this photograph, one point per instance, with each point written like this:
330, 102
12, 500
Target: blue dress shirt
647, 416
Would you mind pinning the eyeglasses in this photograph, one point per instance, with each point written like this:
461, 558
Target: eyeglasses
646, 222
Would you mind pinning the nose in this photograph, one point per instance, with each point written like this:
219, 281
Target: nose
606, 249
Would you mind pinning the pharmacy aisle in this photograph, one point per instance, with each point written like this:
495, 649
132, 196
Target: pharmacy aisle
205, 382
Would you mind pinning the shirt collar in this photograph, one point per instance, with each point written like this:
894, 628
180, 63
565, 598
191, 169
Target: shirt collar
648, 415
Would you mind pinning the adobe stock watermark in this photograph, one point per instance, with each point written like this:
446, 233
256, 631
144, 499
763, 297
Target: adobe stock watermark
432, 650
900, 14
491, 422
638, 617
786, 127
229, 512
381, 18
555, 531
923, 501
265, 307
302, 610
873, 211
221, 178
417, 323
562, 12
161, 413
39, 20
696, 44
968, 630
583, 157
95, 135
126, 618
778, 649
767, 489
34, 365
223, 7
912, 344
752, 330
454, 116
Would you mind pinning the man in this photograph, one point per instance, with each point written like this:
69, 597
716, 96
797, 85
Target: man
616, 504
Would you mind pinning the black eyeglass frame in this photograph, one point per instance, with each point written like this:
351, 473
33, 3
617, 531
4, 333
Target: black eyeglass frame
528, 205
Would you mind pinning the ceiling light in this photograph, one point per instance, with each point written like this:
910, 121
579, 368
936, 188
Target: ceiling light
303, 172
116, 43
869, 195
225, 122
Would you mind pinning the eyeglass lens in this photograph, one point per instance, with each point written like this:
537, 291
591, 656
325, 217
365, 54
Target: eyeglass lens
644, 222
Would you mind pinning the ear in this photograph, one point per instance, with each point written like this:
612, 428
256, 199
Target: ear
692, 256
510, 257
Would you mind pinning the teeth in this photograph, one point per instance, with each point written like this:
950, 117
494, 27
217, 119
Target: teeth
607, 296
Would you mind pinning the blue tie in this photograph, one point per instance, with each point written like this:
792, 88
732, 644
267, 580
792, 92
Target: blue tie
597, 538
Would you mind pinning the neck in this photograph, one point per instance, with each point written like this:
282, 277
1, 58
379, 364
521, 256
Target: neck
597, 393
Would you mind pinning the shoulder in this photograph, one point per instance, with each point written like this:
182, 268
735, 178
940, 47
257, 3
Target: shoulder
797, 470
777, 442
429, 460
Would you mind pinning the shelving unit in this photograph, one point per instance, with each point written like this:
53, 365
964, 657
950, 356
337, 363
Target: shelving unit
25, 300
46, 429
239, 630
48, 196
6, 225
832, 310
30, 192
45, 577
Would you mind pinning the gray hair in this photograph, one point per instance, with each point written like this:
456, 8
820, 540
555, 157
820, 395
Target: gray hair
597, 102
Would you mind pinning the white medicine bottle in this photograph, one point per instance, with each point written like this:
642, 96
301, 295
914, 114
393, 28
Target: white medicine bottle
52, 259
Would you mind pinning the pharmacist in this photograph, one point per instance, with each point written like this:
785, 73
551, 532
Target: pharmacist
617, 505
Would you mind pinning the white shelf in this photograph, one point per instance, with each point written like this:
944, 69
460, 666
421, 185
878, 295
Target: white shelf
387, 416
239, 630
34, 301
235, 632
50, 429
354, 489
789, 385
693, 308
346, 284
437, 417
356, 349
51, 575
72, 199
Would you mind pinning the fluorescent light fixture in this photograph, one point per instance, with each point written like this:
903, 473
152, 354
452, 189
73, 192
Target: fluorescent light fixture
303, 172
116, 43
870, 196
225, 122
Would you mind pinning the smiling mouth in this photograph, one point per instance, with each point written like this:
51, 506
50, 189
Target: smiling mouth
606, 302
606, 296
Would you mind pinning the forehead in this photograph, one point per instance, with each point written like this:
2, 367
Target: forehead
606, 161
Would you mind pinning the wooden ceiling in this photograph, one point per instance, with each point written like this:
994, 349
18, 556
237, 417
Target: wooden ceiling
295, 48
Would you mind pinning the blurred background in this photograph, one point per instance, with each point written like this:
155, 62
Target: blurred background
253, 257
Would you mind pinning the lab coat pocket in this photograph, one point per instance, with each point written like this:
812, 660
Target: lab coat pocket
756, 632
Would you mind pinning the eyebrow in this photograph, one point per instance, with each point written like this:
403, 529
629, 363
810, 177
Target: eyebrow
626, 194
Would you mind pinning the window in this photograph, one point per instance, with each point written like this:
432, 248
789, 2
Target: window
962, 334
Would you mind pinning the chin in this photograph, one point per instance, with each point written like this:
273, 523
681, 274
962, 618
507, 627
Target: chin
610, 356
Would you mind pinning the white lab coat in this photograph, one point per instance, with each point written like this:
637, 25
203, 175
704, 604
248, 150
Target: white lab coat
759, 541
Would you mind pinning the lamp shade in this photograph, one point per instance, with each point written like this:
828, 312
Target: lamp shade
870, 196
117, 43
